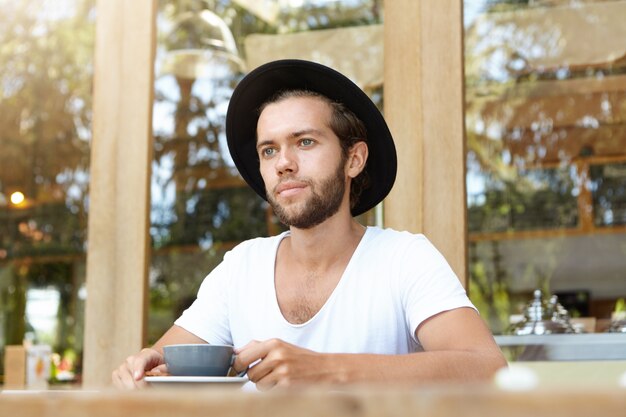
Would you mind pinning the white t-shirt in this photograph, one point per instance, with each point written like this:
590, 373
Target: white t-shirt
393, 282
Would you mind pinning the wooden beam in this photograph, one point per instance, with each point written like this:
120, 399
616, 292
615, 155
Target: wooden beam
121, 155
423, 98
403, 110
546, 233
502, 92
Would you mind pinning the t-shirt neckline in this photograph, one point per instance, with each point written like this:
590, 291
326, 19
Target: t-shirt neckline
344, 276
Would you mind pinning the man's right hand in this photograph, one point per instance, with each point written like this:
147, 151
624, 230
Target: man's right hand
130, 374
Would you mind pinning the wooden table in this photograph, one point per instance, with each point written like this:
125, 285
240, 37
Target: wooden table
431, 401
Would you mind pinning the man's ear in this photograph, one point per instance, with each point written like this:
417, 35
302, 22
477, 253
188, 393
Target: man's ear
357, 157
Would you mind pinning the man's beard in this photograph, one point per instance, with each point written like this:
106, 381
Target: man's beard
318, 207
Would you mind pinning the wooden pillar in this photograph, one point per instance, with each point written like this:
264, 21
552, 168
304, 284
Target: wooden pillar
121, 155
423, 98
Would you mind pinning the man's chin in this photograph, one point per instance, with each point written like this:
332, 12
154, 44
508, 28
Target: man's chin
294, 215
290, 217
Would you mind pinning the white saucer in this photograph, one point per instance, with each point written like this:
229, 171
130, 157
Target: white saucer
197, 381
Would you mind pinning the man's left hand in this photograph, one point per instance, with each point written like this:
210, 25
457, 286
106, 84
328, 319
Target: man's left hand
275, 363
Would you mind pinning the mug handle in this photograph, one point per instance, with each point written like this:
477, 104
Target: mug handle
239, 374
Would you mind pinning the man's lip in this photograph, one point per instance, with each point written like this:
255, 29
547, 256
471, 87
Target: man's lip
286, 186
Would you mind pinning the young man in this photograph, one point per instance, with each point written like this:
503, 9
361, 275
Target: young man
330, 301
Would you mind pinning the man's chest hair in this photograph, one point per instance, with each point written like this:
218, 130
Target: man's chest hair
302, 295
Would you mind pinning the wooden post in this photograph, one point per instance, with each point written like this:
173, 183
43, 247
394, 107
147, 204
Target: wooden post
121, 155
424, 106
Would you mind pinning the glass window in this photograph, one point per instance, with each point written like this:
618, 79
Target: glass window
46, 53
200, 205
546, 155
608, 190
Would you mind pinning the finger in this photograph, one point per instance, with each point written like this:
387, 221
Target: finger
117, 381
115, 378
239, 365
132, 384
140, 384
125, 380
264, 386
258, 371
161, 369
146, 359
265, 366
132, 371
119, 377
266, 383
258, 357
137, 367
246, 356
258, 350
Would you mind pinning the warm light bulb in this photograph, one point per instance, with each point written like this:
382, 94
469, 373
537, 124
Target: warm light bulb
17, 198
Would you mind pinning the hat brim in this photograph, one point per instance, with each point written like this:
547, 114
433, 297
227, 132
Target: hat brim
263, 82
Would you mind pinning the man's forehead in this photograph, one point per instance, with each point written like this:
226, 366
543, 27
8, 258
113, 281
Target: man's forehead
316, 101
298, 114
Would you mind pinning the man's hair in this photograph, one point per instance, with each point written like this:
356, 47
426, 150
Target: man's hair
344, 124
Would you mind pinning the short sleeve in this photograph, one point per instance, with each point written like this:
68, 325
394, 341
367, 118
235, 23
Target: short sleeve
427, 284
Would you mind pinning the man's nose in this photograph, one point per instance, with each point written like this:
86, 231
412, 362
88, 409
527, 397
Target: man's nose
286, 162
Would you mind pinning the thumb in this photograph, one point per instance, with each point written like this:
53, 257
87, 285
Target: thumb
160, 370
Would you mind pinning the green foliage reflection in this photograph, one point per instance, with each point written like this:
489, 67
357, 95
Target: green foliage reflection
46, 73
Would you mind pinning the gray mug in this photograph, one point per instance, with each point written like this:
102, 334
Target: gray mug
199, 359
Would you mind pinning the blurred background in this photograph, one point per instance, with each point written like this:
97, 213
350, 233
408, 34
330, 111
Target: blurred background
545, 96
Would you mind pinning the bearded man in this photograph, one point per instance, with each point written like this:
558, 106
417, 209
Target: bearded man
329, 301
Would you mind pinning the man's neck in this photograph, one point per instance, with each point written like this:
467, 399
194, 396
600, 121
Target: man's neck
321, 246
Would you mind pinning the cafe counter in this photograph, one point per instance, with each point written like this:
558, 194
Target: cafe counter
564, 347
432, 401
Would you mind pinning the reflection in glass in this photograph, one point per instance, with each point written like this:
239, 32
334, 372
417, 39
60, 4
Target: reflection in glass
545, 112
608, 187
539, 199
45, 124
200, 45
200, 206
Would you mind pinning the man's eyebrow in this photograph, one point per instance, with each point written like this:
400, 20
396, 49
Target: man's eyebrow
261, 144
295, 134
305, 132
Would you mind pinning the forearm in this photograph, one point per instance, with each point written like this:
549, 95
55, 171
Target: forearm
421, 367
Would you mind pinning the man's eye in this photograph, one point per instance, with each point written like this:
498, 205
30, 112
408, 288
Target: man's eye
306, 142
267, 151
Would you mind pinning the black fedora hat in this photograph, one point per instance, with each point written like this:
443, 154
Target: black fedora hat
265, 81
